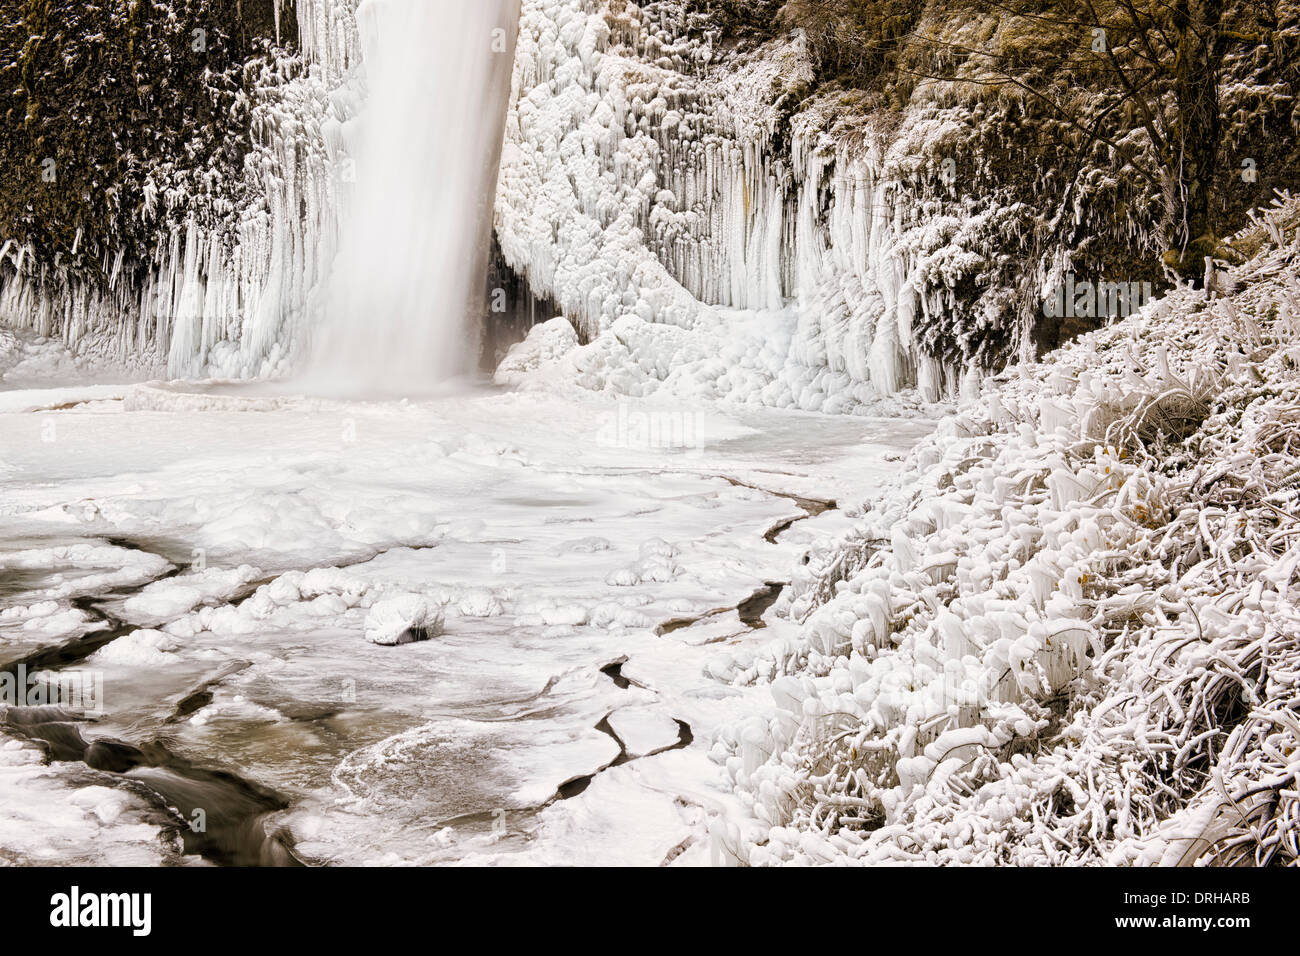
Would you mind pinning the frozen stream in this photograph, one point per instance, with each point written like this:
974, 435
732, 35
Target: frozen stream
155, 540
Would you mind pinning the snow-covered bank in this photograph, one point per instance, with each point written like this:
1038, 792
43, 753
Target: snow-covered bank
1070, 630
734, 357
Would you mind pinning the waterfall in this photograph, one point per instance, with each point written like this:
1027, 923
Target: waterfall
402, 300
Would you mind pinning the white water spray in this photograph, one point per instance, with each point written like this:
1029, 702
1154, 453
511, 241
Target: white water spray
402, 304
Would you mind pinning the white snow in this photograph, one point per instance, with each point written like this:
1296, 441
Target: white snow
142, 648
643, 730
503, 513
73, 570
62, 815
170, 598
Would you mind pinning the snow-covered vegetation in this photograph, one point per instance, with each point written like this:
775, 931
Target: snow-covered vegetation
1068, 633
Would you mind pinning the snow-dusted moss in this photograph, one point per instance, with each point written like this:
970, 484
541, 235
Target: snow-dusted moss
188, 230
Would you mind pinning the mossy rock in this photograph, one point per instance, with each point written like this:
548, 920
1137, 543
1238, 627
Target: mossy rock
95, 95
1190, 262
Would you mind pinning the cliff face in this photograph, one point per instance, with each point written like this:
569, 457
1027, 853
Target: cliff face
896, 217
672, 158
172, 173
120, 120
651, 173
103, 98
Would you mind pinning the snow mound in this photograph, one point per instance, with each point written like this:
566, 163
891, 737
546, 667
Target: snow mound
405, 619
170, 598
144, 648
545, 345
88, 567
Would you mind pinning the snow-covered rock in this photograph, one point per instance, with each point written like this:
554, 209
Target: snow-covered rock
405, 619
546, 344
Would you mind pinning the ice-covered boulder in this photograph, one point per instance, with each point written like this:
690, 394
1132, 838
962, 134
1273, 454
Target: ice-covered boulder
545, 345
405, 619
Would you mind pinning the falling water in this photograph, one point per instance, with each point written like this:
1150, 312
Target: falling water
402, 301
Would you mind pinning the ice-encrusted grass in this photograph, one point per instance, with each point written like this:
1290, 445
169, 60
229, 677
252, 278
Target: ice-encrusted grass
1070, 633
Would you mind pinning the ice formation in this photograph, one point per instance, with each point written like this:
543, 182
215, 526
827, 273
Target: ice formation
239, 292
637, 186
402, 620
226, 298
